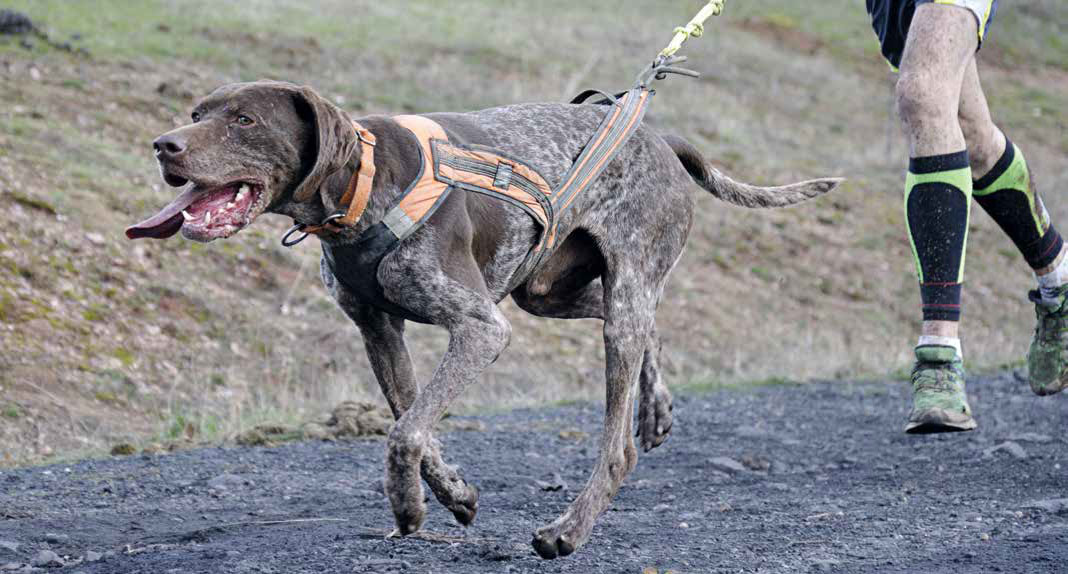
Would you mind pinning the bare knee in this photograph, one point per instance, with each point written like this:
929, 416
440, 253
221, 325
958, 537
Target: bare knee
923, 99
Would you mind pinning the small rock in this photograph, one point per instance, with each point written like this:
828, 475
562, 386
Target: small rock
824, 565
683, 525
554, 484
46, 559
11, 566
756, 463
9, 546
93, 556
984, 537
727, 464
496, 554
1052, 506
95, 238
1013, 448
123, 449
573, 434
226, 482
1031, 437
53, 538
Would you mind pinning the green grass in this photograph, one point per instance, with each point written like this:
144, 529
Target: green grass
709, 386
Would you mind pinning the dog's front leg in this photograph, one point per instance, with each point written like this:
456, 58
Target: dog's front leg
475, 341
383, 338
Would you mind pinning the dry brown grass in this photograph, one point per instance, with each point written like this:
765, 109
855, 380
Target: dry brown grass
105, 340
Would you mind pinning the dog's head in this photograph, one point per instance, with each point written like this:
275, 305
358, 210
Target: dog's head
251, 148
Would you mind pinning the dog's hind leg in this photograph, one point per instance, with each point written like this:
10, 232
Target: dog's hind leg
654, 412
630, 296
383, 337
654, 406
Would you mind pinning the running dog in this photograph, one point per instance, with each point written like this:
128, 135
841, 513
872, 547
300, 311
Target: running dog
276, 147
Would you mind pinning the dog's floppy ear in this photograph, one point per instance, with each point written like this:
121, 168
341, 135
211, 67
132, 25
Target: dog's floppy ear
335, 140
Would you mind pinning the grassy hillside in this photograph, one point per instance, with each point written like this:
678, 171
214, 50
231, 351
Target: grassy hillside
103, 340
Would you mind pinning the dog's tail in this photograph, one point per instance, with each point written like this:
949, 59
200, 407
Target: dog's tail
740, 193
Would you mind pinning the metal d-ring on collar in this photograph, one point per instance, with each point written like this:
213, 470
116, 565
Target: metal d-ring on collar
356, 196
298, 227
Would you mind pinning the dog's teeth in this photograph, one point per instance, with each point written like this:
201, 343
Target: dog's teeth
242, 192
207, 218
186, 216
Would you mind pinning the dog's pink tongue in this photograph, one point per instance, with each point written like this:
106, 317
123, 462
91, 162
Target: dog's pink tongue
165, 223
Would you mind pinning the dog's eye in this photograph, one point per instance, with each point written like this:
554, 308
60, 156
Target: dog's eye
244, 121
196, 117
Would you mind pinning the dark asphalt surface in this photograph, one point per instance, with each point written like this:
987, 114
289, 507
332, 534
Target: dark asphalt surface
788, 478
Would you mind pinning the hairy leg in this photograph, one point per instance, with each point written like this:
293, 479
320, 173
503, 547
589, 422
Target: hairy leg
654, 399
383, 337
1019, 212
654, 407
942, 40
630, 304
477, 336
985, 141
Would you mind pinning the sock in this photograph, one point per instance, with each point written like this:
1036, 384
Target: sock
938, 341
1007, 194
938, 192
1049, 284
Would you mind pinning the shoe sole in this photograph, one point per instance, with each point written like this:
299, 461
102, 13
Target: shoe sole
1045, 391
934, 421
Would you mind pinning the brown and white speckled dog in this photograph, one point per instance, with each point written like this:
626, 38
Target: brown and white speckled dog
253, 146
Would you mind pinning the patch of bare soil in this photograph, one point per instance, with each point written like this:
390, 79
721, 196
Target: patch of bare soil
806, 478
790, 37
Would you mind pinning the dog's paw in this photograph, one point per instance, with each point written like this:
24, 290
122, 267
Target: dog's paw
409, 519
465, 507
654, 417
551, 542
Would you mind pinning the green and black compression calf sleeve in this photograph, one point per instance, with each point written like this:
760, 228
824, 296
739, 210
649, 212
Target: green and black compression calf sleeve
938, 192
1007, 194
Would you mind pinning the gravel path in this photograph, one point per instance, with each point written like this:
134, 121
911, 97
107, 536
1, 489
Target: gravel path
815, 477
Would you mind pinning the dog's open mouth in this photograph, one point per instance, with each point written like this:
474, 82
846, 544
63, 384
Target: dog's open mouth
204, 214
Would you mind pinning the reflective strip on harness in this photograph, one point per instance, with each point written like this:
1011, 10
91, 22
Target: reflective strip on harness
613, 132
483, 171
426, 193
446, 166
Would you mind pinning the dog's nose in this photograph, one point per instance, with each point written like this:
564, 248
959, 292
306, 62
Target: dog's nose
169, 145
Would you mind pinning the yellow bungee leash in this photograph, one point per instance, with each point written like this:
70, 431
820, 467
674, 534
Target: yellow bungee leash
694, 29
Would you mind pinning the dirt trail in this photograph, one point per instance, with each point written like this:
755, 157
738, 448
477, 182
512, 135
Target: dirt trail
805, 478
